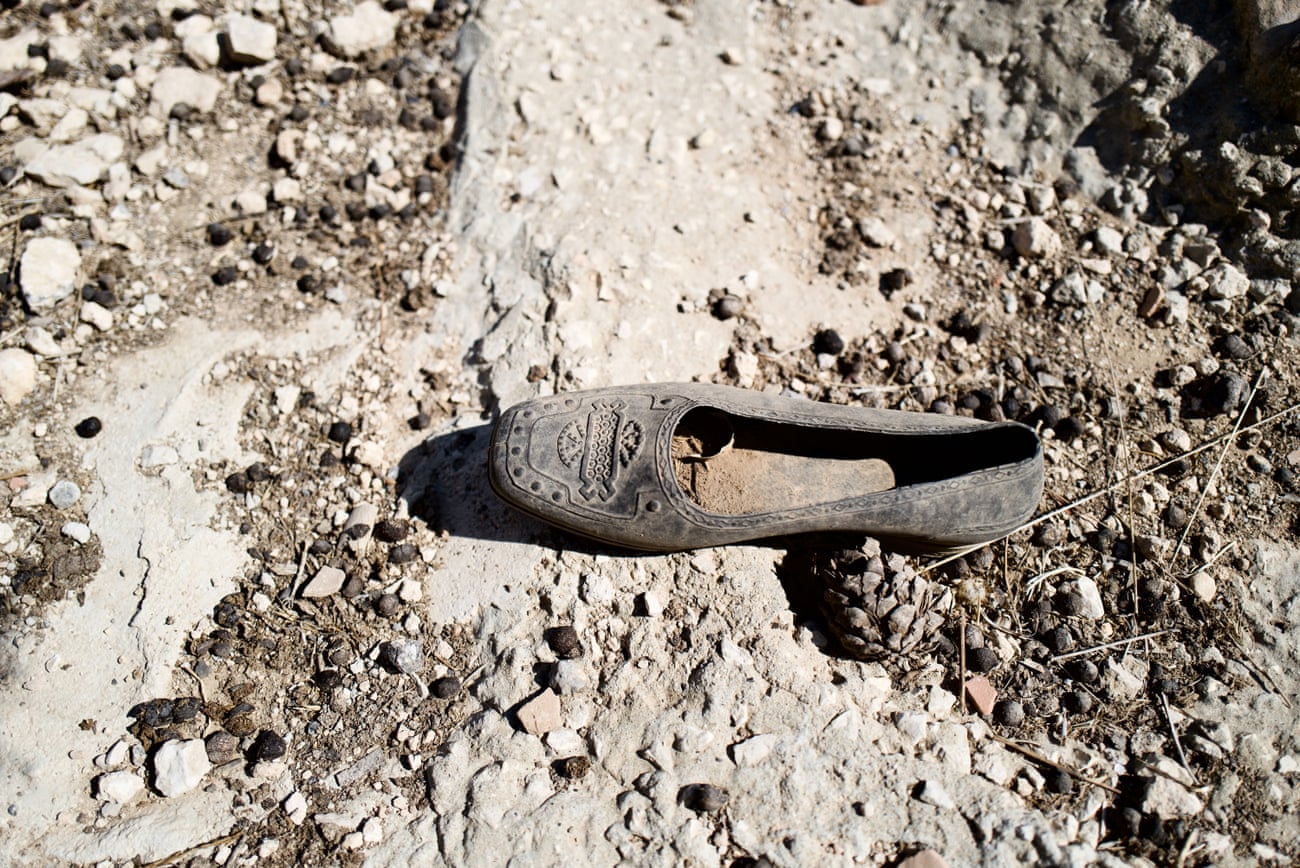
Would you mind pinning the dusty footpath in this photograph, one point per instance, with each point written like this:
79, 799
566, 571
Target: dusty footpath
273, 268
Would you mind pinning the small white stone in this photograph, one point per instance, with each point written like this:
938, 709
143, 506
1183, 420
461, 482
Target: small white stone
76, 530
1093, 608
1204, 586
568, 676
1167, 796
180, 84
96, 315
372, 830
327, 581
933, 793
1107, 240
368, 28
41, 342
50, 270
295, 808
1035, 239
876, 232
353, 841
249, 40
1225, 281
753, 750
179, 766
564, 742
596, 590
120, 787
17, 375
64, 494
831, 129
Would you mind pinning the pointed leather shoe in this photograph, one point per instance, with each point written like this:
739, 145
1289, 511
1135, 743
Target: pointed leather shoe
676, 466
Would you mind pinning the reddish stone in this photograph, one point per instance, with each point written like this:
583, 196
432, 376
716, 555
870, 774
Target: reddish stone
982, 694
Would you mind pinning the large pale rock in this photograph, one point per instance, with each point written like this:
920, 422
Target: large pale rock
180, 84
17, 375
368, 28
120, 787
180, 765
249, 40
49, 270
81, 163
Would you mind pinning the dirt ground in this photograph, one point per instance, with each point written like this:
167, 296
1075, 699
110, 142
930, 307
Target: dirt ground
273, 269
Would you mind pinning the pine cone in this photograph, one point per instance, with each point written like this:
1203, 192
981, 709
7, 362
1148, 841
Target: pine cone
878, 607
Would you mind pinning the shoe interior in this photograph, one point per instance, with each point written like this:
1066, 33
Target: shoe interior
732, 465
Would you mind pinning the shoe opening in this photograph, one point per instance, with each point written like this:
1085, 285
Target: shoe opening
737, 465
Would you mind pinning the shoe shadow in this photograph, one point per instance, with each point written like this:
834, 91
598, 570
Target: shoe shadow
444, 482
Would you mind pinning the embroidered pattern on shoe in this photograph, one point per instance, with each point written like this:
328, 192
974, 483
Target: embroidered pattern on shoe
606, 442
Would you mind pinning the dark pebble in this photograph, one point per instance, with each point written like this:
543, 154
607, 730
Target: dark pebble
1084, 671
186, 708
257, 472
299, 262
1048, 535
114, 72
340, 432
153, 30
181, 111
7, 174
423, 185
356, 182
263, 253
225, 275
1008, 712
1231, 346
328, 213
352, 587
420, 421
380, 211
56, 68
892, 281
403, 554
1224, 392
298, 113
267, 746
340, 655
340, 75
1059, 641
49, 10
89, 427
328, 679
392, 530
1103, 540
1049, 414
1058, 782
1077, 702
308, 283
982, 659
294, 66
356, 211
387, 605
445, 687
441, 103
574, 767
238, 483
564, 642
319, 547
1069, 603
1176, 516
828, 341
219, 235
29, 222
728, 307
154, 712
222, 747
703, 798
329, 459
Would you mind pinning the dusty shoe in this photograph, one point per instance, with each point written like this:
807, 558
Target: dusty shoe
677, 466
